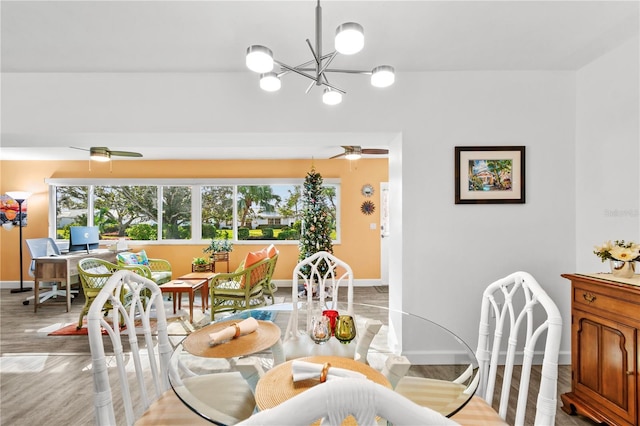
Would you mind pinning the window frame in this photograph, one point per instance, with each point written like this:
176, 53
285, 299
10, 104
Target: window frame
196, 203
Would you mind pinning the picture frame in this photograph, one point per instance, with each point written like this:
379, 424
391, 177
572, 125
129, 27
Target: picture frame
490, 175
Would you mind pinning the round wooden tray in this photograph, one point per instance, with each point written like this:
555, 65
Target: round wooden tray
265, 336
277, 385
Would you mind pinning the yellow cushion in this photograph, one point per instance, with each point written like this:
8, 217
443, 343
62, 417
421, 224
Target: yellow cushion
478, 413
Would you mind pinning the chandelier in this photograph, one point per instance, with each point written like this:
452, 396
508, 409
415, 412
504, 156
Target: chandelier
349, 40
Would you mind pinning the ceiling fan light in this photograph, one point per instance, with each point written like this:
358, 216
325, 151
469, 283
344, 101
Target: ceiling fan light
331, 97
270, 82
353, 153
259, 59
383, 76
349, 38
100, 154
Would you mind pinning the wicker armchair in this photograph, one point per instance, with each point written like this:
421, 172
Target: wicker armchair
94, 274
242, 289
157, 270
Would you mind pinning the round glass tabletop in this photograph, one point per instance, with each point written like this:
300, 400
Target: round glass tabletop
419, 359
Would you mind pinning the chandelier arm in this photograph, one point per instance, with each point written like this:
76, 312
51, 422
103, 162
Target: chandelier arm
313, 83
322, 70
313, 52
337, 89
297, 71
343, 71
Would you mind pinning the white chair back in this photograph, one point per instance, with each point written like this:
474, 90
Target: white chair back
336, 399
148, 352
515, 314
327, 273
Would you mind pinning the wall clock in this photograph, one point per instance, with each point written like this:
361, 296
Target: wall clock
367, 190
367, 207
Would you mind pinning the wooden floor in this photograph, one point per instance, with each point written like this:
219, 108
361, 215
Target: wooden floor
47, 379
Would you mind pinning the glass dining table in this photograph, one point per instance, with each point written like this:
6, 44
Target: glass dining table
227, 382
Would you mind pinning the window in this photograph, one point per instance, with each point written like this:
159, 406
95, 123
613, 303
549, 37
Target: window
178, 211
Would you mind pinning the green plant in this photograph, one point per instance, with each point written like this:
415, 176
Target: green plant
618, 250
200, 261
219, 245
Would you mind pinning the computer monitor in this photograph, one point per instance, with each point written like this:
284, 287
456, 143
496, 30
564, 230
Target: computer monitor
83, 238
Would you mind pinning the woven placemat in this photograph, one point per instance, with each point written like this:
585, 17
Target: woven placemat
265, 336
277, 385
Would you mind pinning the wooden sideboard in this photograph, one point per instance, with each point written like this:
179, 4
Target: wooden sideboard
605, 349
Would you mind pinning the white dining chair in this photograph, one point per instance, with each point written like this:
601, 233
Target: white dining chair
142, 370
335, 400
326, 273
519, 323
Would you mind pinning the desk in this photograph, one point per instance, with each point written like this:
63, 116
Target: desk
434, 377
62, 269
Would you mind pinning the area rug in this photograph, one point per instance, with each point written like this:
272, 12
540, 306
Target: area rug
174, 327
71, 330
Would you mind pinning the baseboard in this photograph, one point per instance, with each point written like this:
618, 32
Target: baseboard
15, 284
279, 283
356, 283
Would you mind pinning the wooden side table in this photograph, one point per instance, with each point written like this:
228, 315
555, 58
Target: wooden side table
177, 287
220, 257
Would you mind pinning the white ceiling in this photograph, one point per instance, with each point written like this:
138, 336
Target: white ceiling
210, 36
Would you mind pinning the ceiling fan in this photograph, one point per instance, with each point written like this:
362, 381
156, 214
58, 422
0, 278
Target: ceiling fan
354, 152
104, 154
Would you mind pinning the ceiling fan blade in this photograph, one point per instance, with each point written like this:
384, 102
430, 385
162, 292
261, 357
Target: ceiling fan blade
125, 154
375, 151
81, 149
337, 156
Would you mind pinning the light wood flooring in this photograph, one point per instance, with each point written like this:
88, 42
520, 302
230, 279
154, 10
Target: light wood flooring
47, 379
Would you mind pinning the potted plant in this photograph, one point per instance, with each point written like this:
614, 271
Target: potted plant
200, 264
621, 256
219, 248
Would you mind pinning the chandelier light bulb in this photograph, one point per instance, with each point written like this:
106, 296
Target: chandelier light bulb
349, 38
259, 59
331, 97
383, 76
270, 82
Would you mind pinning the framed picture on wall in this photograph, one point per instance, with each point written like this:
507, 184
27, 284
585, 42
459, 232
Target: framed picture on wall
489, 174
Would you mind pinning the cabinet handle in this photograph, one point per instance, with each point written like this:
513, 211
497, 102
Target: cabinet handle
629, 373
589, 297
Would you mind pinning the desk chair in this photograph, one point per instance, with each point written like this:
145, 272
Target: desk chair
42, 247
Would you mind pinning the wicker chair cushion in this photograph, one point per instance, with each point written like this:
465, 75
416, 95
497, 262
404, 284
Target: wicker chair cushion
130, 258
98, 270
161, 277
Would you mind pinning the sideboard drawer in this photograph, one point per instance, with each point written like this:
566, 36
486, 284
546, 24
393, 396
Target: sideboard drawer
596, 298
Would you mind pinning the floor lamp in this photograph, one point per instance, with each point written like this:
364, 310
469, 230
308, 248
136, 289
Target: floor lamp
20, 197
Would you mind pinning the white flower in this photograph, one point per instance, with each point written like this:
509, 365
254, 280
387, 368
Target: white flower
623, 253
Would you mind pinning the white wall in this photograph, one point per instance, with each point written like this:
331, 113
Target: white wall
448, 253
607, 153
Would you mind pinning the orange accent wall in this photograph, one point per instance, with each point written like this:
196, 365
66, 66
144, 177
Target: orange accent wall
359, 246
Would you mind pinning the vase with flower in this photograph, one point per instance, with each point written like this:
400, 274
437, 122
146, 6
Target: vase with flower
621, 256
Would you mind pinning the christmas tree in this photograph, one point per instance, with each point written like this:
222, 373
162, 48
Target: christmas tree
316, 223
